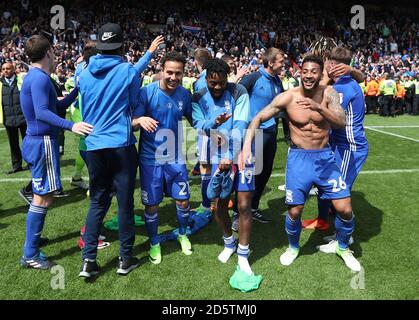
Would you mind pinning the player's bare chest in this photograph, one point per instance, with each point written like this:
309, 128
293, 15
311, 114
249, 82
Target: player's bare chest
302, 115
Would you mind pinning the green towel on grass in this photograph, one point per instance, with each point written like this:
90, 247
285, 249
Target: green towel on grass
242, 281
113, 223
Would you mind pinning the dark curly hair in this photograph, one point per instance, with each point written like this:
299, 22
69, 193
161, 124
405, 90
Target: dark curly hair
313, 58
217, 66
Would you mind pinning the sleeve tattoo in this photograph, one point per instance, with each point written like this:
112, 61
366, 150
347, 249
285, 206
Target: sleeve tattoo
269, 112
265, 114
335, 107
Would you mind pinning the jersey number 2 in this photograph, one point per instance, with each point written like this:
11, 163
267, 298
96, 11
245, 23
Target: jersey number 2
183, 186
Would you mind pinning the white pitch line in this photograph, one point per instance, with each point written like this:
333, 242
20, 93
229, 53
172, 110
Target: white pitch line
393, 127
390, 171
392, 134
27, 179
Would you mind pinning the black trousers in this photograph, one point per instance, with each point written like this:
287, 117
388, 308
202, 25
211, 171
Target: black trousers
261, 179
61, 137
269, 150
15, 152
372, 103
408, 100
111, 170
415, 110
400, 105
388, 107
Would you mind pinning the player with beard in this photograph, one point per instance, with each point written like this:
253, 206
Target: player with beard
222, 109
313, 109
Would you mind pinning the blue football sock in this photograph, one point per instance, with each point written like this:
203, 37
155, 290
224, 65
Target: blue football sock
323, 207
151, 225
205, 180
344, 230
34, 225
243, 251
229, 242
293, 229
183, 218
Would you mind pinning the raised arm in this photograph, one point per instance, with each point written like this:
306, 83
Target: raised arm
142, 64
358, 75
341, 69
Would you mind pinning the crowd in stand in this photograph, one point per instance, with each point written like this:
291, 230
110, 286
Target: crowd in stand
387, 48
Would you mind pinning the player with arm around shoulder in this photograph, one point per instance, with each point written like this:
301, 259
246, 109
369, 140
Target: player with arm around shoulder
313, 110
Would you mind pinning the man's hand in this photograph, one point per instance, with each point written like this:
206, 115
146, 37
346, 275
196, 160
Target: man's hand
222, 118
308, 103
245, 156
147, 123
242, 72
82, 128
155, 44
225, 164
339, 70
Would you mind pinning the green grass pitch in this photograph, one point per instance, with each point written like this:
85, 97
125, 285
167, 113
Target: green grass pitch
385, 201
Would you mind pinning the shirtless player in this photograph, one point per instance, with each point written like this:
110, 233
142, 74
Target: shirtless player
312, 109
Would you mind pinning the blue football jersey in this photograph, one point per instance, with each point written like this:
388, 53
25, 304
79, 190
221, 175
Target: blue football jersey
200, 82
352, 101
235, 101
262, 88
165, 144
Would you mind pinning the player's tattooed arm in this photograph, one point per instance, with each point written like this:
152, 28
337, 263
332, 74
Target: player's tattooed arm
279, 103
271, 110
358, 75
330, 108
341, 69
337, 118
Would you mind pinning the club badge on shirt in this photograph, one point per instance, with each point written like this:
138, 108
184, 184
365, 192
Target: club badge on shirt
227, 105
